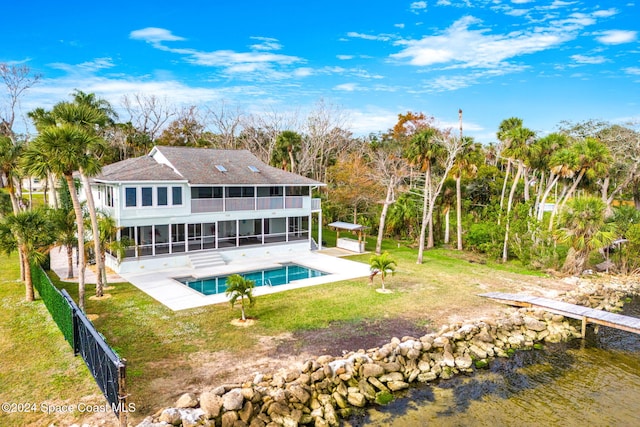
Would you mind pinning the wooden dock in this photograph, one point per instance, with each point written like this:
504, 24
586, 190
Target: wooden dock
585, 314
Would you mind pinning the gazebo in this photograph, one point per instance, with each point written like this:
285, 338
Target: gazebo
347, 243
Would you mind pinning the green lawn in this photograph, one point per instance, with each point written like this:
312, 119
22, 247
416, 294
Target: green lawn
160, 345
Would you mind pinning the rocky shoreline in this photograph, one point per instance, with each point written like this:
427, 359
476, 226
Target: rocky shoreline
325, 389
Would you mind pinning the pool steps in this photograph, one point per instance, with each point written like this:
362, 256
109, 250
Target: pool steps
206, 259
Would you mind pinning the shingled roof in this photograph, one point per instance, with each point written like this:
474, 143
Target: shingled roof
142, 168
202, 166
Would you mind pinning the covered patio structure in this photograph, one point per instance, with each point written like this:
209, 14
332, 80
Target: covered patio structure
349, 244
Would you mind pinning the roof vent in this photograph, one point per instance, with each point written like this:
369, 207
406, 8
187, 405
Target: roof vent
253, 169
221, 168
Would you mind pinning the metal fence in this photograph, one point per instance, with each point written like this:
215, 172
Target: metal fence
107, 368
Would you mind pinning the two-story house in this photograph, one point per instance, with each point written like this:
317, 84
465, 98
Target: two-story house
177, 202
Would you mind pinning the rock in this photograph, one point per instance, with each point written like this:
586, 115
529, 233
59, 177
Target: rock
229, 419
356, 399
330, 416
397, 385
391, 376
340, 400
377, 384
211, 404
448, 359
366, 389
534, 324
300, 394
464, 361
233, 400
246, 412
371, 370
187, 400
171, 416
191, 417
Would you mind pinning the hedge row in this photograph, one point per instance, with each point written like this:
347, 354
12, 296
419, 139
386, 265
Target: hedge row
55, 303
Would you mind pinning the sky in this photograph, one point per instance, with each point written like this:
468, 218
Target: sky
543, 61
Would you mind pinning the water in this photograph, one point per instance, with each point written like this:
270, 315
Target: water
270, 277
590, 383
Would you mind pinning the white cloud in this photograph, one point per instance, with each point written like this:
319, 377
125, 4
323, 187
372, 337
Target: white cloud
399, 25
584, 59
267, 43
344, 57
380, 37
521, 1
154, 35
347, 87
462, 47
634, 71
418, 6
84, 67
259, 63
605, 13
617, 36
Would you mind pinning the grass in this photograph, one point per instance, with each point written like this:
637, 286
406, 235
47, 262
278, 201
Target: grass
160, 345
38, 365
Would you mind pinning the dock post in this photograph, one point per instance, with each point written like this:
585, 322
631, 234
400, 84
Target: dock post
584, 327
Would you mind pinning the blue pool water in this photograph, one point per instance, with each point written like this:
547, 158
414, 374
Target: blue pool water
271, 277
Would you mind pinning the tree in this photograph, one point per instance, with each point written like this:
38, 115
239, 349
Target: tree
64, 221
389, 168
288, 144
240, 287
351, 183
465, 164
31, 232
65, 147
427, 146
148, 114
583, 228
383, 265
516, 139
89, 114
17, 80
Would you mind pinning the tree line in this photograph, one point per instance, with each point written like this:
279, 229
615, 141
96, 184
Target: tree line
550, 201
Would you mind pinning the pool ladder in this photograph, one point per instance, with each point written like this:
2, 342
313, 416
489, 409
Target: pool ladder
268, 282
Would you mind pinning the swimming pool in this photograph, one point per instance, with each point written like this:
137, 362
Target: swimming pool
283, 275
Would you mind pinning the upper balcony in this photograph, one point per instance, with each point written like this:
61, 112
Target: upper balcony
234, 204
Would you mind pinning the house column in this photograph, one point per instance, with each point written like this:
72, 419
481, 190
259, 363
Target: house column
320, 230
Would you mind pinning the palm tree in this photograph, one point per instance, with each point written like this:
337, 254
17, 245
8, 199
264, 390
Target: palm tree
240, 287
30, 232
517, 140
65, 148
287, 144
381, 264
583, 227
423, 152
593, 157
465, 165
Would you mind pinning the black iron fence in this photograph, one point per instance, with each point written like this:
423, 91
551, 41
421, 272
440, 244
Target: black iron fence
107, 368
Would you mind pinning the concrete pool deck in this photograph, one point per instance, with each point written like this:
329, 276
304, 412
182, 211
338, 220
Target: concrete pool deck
161, 286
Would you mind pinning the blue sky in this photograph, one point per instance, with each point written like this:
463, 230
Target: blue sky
543, 61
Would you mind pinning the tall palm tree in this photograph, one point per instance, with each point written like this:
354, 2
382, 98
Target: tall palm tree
65, 148
383, 265
284, 154
583, 227
31, 232
593, 159
90, 114
517, 139
240, 287
423, 151
465, 165
64, 221
9, 168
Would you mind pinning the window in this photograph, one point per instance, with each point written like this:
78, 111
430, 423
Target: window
221, 168
176, 193
253, 169
130, 196
147, 196
109, 196
162, 196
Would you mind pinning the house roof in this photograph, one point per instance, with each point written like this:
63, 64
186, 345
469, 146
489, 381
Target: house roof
142, 168
201, 166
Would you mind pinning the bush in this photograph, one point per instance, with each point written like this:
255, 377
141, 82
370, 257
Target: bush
55, 303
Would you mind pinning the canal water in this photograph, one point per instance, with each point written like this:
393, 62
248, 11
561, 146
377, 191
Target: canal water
595, 382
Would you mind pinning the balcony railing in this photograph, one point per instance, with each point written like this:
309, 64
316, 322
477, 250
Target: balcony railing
233, 204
